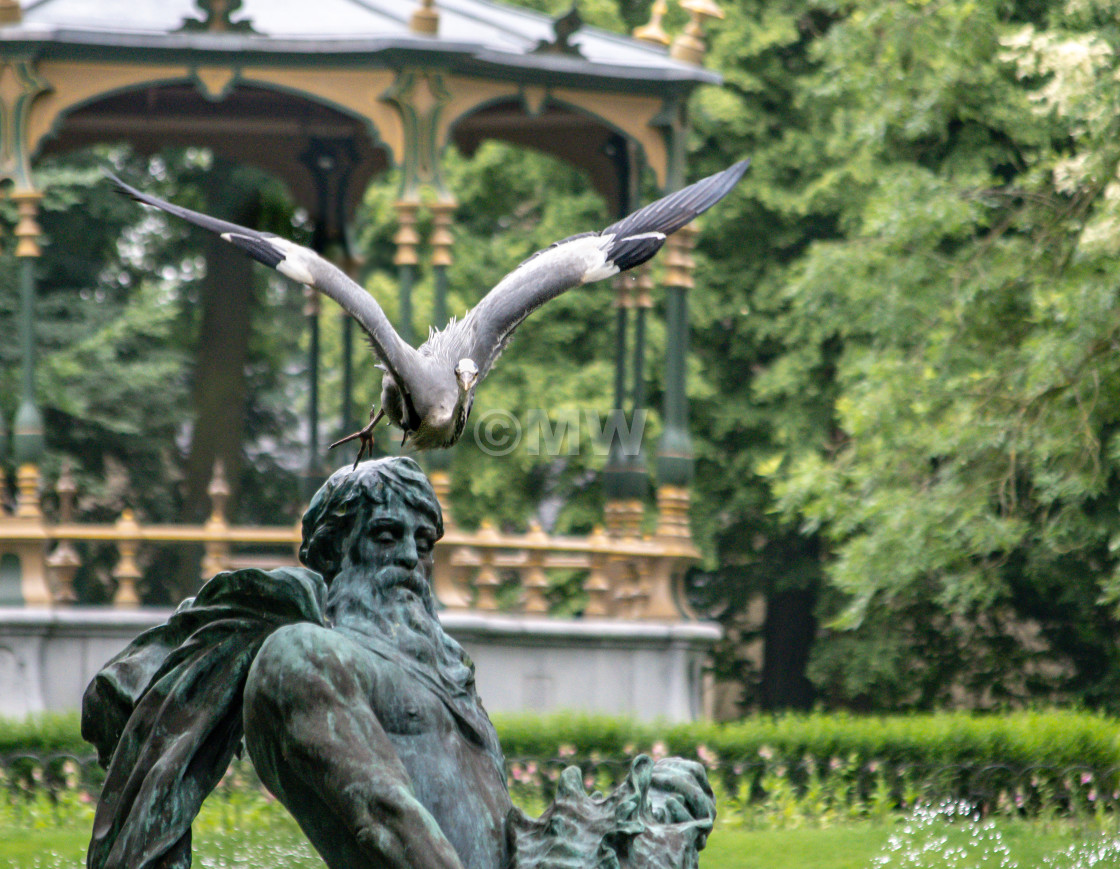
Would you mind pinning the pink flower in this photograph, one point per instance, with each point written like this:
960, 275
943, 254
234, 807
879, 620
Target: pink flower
659, 750
566, 750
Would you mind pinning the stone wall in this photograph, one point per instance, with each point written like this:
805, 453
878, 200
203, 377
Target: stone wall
644, 670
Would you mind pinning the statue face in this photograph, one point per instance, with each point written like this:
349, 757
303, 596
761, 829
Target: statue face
395, 542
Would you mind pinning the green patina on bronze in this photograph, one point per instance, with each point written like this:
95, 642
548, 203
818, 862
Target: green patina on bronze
358, 711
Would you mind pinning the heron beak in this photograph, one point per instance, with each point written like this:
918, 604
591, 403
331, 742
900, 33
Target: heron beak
467, 379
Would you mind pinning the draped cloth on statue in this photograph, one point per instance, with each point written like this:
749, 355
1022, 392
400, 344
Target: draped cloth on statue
165, 714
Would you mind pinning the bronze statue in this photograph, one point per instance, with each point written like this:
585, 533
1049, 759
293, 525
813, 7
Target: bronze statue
358, 711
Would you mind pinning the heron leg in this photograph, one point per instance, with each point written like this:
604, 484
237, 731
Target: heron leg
365, 436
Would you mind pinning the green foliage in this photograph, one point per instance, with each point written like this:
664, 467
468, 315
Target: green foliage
1052, 738
922, 286
43, 734
904, 384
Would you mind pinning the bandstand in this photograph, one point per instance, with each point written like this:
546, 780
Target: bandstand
326, 96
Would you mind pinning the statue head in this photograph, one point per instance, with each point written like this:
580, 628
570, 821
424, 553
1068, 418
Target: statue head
350, 497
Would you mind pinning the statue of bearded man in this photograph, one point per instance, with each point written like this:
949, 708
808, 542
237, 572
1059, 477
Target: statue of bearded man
358, 711
370, 731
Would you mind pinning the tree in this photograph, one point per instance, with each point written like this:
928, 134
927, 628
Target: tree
934, 313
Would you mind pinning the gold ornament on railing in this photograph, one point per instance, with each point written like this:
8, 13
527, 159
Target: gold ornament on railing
534, 582
626, 575
127, 572
216, 548
486, 581
598, 587
64, 560
689, 46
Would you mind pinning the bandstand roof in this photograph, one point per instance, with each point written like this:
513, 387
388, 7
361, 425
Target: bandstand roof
474, 36
260, 79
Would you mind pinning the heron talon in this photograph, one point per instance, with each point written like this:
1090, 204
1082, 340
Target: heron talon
365, 436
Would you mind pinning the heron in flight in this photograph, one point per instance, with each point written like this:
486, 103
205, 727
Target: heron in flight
428, 391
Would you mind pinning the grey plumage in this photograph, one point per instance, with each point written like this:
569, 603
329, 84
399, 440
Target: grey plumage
428, 391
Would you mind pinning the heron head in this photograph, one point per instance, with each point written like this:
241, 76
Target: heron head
466, 373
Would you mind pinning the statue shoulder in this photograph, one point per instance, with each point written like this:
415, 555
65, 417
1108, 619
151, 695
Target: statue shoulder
285, 594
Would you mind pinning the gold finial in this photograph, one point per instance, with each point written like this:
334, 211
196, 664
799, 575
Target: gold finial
653, 31
10, 12
425, 19
689, 46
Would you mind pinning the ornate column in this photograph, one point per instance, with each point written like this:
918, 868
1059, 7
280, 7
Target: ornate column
311, 307
420, 98
20, 86
438, 462
406, 260
330, 163
443, 215
674, 455
28, 430
625, 477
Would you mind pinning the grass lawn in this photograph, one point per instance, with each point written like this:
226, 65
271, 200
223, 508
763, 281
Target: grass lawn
857, 845
270, 839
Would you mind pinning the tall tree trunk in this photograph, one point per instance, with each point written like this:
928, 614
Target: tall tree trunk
227, 299
789, 632
219, 387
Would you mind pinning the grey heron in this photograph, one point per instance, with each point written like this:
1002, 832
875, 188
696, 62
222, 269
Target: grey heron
428, 391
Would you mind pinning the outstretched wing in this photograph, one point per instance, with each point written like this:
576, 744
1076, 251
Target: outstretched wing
307, 267
579, 259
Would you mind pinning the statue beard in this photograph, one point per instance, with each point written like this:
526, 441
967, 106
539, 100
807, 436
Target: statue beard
396, 605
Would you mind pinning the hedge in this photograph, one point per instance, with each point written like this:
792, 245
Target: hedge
1051, 738
817, 765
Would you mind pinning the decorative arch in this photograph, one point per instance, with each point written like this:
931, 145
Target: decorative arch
231, 114
474, 102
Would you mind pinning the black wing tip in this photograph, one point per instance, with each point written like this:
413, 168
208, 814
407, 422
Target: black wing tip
736, 171
122, 187
717, 186
674, 210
